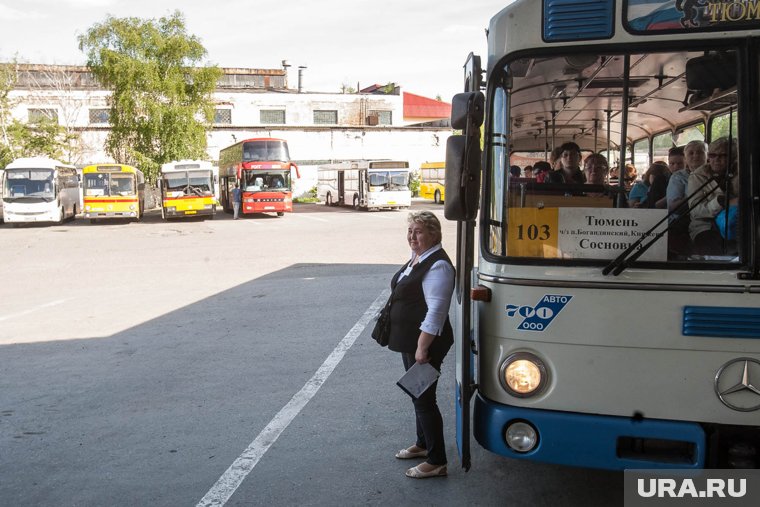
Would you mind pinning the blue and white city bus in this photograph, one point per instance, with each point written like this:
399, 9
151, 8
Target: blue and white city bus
592, 333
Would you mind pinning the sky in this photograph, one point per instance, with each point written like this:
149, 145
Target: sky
420, 45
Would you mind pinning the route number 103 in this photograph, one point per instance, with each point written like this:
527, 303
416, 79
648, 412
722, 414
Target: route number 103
533, 232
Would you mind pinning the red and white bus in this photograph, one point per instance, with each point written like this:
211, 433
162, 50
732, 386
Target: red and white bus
262, 168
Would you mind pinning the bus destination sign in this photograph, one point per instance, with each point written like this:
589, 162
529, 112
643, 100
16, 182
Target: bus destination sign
655, 16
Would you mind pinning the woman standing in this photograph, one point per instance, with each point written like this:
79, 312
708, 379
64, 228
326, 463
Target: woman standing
421, 332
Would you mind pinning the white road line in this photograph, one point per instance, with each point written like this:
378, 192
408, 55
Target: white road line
32, 310
221, 492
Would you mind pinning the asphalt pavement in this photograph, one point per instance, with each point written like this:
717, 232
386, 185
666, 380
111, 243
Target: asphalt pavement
140, 362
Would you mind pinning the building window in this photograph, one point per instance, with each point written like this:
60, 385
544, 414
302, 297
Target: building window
223, 116
100, 116
272, 116
39, 115
325, 117
383, 117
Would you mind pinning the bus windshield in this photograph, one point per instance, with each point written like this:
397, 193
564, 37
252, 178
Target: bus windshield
261, 151
578, 209
255, 181
389, 180
105, 184
29, 183
189, 183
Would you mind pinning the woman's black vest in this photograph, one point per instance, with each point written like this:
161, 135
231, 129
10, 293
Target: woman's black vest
408, 309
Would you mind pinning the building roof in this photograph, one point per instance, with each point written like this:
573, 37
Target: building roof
417, 106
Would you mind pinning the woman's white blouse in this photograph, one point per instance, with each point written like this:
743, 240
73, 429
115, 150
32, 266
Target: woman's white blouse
437, 286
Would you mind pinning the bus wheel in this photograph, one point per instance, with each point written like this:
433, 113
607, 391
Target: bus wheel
328, 199
356, 202
437, 197
93, 221
280, 213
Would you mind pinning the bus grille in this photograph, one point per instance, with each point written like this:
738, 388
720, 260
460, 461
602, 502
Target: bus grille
568, 20
721, 321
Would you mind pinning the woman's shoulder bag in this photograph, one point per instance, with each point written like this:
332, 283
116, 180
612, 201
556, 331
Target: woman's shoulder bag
382, 330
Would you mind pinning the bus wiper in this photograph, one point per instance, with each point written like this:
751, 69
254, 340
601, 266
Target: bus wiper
636, 250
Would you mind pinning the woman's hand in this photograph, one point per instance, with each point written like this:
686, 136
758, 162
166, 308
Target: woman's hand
421, 355
423, 345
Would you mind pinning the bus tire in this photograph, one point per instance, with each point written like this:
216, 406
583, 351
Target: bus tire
356, 202
328, 199
437, 197
93, 221
280, 213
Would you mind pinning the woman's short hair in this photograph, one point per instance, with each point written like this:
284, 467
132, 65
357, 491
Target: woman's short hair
724, 143
429, 221
596, 158
696, 143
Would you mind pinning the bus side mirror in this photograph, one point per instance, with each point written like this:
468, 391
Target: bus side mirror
463, 158
298, 173
141, 186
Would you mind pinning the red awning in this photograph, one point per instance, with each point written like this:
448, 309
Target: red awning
416, 106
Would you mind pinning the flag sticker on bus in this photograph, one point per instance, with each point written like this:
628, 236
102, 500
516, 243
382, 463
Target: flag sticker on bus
538, 318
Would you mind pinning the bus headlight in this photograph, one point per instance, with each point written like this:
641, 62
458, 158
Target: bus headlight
131, 206
523, 374
521, 436
87, 208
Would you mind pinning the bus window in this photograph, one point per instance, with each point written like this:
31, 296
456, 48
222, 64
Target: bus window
661, 143
721, 125
691, 133
641, 156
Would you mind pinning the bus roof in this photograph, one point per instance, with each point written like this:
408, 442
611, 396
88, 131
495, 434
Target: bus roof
35, 163
112, 168
367, 164
184, 165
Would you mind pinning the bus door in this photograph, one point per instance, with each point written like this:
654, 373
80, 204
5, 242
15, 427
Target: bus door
461, 204
341, 187
363, 188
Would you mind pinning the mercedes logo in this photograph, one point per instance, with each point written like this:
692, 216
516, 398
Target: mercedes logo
734, 387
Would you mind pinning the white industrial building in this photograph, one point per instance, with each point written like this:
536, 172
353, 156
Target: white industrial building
377, 122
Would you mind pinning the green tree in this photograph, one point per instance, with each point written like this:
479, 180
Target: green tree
161, 105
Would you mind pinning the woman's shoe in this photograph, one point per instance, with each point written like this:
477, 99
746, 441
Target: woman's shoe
407, 454
416, 473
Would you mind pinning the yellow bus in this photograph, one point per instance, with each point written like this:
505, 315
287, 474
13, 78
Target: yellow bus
433, 181
187, 189
113, 191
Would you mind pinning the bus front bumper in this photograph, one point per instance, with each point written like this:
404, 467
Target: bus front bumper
109, 214
596, 441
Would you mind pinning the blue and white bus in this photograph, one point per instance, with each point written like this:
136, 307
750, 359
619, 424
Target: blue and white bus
39, 189
592, 333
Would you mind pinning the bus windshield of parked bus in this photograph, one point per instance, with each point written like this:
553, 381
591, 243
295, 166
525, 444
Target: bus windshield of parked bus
389, 180
189, 182
582, 211
29, 183
101, 184
255, 181
265, 150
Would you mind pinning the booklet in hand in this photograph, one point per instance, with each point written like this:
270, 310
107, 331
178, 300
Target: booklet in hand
418, 379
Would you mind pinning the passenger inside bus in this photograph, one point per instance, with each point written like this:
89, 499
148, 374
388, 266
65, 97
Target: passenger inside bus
570, 160
705, 205
595, 169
